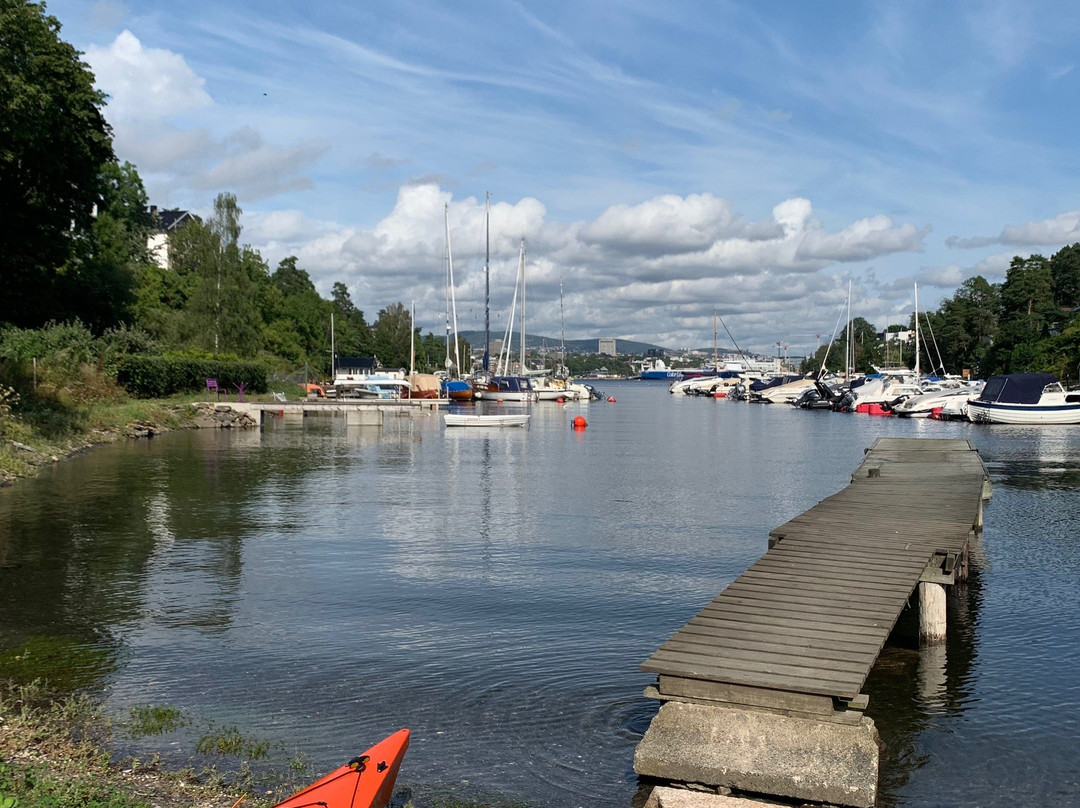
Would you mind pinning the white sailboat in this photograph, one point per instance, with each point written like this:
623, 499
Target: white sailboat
505, 386
452, 385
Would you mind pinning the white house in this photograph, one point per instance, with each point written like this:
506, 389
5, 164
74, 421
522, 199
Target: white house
166, 222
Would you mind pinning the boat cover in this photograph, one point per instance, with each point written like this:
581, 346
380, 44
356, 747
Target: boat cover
1016, 388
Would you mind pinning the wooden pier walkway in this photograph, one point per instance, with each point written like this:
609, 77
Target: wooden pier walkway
801, 629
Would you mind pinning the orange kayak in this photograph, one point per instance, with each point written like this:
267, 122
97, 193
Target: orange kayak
366, 781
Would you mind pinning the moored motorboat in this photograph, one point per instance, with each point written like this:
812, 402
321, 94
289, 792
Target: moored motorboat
473, 419
506, 388
924, 406
366, 781
1025, 398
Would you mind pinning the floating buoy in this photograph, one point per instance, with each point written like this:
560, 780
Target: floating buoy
580, 422
611, 399
499, 400
561, 400
719, 394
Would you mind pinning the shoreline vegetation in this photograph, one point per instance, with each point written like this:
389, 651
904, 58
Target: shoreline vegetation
54, 752
60, 750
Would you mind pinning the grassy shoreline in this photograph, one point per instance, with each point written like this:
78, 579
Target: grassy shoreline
42, 437
54, 754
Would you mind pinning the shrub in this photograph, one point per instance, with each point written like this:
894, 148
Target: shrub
158, 377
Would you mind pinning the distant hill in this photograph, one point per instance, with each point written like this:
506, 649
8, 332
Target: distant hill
532, 341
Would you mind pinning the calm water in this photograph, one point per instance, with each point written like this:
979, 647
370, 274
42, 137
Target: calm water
324, 586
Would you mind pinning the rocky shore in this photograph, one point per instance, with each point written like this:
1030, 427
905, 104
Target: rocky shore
23, 458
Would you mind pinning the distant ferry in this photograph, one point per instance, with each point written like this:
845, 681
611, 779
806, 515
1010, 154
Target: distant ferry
657, 370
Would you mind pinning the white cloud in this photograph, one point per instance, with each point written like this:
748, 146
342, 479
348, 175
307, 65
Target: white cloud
659, 266
1061, 229
863, 240
664, 225
145, 83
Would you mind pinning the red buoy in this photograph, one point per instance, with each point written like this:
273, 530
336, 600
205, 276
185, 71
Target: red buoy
580, 422
561, 400
611, 399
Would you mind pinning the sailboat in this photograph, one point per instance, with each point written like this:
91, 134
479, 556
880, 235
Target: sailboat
453, 386
502, 385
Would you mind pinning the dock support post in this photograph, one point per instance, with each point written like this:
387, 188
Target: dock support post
931, 613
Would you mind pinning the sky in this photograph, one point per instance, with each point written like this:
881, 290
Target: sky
662, 161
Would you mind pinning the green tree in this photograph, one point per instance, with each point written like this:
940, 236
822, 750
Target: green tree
391, 336
1065, 276
1027, 311
53, 143
222, 312
98, 284
352, 335
965, 325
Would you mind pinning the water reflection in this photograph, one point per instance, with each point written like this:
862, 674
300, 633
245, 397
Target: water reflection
495, 592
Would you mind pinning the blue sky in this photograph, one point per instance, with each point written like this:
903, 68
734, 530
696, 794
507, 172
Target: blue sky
662, 160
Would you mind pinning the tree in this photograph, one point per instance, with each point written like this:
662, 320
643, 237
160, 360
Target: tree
53, 143
97, 285
352, 334
222, 315
391, 336
1027, 311
1065, 276
964, 326
290, 279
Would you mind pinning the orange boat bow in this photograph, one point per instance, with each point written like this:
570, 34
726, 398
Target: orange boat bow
367, 781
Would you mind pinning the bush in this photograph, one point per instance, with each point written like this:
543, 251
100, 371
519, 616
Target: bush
158, 377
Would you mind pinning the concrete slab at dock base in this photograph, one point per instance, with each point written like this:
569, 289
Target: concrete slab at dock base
667, 797
762, 753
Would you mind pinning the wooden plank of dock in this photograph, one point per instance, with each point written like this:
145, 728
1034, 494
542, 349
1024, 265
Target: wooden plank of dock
803, 626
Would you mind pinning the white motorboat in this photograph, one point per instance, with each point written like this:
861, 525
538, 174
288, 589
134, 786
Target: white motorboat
467, 419
923, 406
1025, 398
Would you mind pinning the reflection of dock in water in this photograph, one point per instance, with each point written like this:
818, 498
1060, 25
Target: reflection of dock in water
357, 412
762, 690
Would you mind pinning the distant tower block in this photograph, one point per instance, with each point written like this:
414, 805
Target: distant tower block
606, 347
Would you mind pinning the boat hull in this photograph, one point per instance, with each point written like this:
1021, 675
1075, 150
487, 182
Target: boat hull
996, 413
367, 781
486, 421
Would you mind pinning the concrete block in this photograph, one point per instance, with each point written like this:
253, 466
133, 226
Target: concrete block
763, 753
666, 797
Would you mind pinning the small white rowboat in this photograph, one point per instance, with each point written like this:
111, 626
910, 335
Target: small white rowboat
454, 419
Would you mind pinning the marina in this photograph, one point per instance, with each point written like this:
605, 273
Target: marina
508, 584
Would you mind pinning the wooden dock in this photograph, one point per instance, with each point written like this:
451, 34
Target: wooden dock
800, 630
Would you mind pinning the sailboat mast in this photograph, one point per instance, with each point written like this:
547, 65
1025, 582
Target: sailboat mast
918, 375
446, 260
523, 306
452, 312
562, 334
487, 282
715, 346
849, 358
412, 340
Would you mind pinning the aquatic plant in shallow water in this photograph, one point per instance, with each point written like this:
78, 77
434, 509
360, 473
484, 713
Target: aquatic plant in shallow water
64, 663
